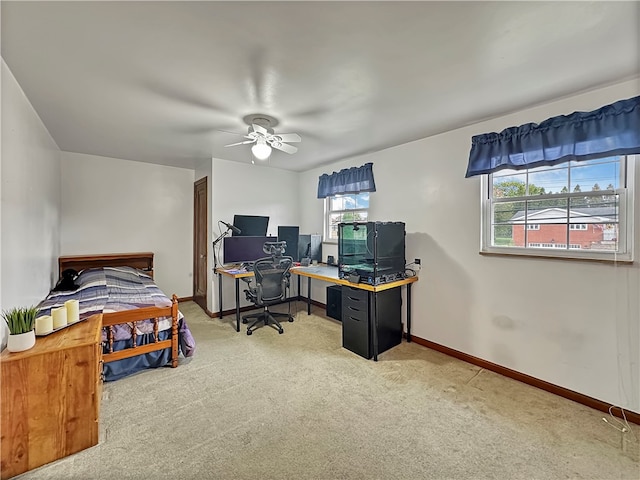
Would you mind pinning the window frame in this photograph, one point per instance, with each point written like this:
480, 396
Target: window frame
626, 217
328, 212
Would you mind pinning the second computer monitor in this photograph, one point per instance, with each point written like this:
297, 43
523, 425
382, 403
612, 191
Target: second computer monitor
244, 249
290, 235
250, 225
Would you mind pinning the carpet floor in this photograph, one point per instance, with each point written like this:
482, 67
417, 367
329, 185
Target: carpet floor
299, 406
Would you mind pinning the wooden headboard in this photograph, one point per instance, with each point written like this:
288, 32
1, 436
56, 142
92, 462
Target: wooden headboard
140, 260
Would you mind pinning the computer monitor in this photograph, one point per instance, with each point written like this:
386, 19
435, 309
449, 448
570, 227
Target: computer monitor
290, 235
244, 249
250, 225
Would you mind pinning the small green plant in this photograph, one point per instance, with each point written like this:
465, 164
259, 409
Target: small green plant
20, 319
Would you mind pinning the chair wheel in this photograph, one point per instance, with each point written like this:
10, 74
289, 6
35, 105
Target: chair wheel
244, 320
249, 332
280, 332
290, 319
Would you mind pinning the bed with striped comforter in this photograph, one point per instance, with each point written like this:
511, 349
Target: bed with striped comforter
114, 289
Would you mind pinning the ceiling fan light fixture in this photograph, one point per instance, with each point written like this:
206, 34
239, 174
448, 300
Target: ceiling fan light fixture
261, 150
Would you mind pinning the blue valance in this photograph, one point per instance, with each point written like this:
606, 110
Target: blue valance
611, 130
347, 180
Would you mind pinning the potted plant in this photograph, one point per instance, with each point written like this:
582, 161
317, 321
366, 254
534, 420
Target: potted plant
21, 322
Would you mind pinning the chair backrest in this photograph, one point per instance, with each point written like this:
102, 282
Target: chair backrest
272, 277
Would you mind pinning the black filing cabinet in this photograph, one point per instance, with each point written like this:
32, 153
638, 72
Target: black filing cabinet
358, 320
334, 302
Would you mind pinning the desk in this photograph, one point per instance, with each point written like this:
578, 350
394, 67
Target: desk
236, 275
328, 273
324, 273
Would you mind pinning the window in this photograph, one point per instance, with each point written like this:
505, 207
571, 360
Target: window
344, 208
575, 209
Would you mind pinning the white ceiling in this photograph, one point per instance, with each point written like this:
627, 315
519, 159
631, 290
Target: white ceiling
157, 81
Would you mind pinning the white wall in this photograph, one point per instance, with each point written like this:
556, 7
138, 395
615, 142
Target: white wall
570, 323
30, 218
111, 205
247, 189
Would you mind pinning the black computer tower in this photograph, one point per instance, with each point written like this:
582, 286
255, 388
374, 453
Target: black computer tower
310, 246
290, 234
334, 302
372, 252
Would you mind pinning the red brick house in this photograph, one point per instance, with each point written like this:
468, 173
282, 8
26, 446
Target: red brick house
587, 228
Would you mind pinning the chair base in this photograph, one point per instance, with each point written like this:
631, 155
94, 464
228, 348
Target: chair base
268, 318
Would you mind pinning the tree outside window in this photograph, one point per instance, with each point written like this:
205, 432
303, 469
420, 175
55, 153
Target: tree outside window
345, 208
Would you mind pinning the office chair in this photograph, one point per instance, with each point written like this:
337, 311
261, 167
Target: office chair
271, 275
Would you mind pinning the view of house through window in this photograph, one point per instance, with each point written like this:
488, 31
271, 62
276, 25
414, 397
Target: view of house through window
344, 208
575, 206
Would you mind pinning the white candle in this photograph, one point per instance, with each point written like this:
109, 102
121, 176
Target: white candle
73, 310
59, 317
44, 324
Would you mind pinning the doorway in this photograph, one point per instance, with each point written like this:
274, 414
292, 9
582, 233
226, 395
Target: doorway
200, 229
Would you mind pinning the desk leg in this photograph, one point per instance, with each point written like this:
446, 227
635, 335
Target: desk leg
237, 304
408, 312
373, 323
308, 295
220, 294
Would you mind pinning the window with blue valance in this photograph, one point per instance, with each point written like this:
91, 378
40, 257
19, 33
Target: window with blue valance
347, 180
611, 130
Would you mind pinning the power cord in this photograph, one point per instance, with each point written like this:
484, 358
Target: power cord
622, 426
623, 429
412, 269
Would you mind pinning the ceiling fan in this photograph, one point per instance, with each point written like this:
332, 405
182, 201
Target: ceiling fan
262, 136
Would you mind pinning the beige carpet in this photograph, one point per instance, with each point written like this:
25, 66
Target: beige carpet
299, 406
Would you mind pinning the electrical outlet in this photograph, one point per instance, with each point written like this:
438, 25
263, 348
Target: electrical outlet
417, 261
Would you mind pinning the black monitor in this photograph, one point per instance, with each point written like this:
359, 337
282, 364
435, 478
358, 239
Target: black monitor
250, 225
244, 249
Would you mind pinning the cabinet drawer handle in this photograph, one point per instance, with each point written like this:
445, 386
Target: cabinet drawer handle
354, 309
355, 299
354, 319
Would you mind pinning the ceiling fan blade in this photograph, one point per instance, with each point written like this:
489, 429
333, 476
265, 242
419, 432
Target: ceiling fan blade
232, 133
288, 137
259, 129
240, 143
284, 147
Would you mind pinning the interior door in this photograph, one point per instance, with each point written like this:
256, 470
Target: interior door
200, 229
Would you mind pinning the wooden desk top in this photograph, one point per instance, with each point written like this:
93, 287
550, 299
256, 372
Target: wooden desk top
234, 273
325, 273
86, 332
328, 273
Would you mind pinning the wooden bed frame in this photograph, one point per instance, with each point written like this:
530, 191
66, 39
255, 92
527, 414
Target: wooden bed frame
142, 261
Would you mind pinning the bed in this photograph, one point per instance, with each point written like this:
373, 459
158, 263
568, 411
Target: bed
141, 327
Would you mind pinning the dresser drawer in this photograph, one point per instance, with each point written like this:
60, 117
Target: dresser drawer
355, 302
354, 310
354, 293
355, 334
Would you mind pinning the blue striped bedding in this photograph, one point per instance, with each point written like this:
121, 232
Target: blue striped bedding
114, 289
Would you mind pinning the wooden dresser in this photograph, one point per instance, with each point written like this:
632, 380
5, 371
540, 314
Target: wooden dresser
50, 398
